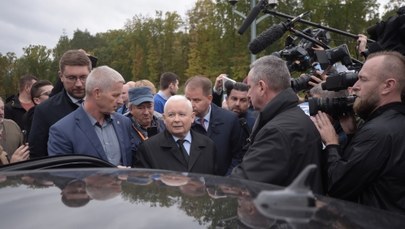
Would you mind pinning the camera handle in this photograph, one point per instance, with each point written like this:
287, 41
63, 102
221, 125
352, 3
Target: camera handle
314, 24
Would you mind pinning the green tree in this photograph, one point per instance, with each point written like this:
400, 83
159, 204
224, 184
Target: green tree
7, 67
115, 51
61, 47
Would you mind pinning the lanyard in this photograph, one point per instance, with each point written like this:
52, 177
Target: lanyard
139, 133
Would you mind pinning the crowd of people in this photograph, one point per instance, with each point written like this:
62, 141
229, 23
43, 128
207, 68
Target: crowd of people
252, 130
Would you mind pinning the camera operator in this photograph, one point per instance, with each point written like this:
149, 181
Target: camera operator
370, 169
318, 93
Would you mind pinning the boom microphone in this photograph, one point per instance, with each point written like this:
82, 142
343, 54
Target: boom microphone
252, 16
267, 38
271, 35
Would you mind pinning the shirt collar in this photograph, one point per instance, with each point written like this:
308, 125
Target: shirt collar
163, 95
74, 100
187, 138
93, 121
208, 115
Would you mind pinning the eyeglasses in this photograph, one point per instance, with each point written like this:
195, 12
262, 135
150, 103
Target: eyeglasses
73, 79
46, 93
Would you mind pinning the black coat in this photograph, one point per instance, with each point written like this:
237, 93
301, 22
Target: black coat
283, 142
224, 129
372, 168
162, 152
46, 114
14, 111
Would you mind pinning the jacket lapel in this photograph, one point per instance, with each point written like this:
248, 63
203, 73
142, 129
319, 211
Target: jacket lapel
118, 131
195, 151
215, 121
83, 122
170, 146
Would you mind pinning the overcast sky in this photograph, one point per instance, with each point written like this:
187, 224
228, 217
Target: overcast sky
42, 22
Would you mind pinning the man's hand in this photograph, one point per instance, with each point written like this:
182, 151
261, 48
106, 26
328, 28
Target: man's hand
361, 43
325, 128
22, 153
218, 83
348, 124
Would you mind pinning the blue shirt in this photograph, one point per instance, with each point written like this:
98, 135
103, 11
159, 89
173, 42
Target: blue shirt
159, 101
206, 119
108, 138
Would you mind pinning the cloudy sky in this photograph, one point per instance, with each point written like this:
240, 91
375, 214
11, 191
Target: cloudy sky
42, 22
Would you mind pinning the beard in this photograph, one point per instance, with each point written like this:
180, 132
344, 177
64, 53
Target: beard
365, 106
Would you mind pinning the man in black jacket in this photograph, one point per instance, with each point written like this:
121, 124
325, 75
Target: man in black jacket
21, 103
74, 67
178, 148
284, 140
370, 169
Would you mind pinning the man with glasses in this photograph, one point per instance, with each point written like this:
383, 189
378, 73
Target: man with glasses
74, 67
40, 92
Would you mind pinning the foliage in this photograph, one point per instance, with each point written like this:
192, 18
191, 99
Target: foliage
205, 42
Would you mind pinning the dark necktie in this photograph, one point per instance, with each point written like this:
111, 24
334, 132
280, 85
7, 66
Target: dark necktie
79, 102
182, 149
202, 122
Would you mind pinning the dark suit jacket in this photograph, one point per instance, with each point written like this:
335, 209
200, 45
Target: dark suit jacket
162, 152
224, 129
74, 134
46, 114
246, 123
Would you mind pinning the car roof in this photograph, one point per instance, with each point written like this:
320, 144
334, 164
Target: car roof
142, 198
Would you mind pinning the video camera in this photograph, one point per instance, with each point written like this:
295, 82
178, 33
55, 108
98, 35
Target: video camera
331, 56
301, 83
336, 107
339, 81
300, 56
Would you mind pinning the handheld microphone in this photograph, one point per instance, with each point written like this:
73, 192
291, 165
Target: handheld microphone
271, 35
252, 16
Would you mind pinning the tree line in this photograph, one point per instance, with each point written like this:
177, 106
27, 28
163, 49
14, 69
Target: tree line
204, 42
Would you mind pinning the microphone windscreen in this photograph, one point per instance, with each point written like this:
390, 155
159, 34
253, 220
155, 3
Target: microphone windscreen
250, 18
267, 38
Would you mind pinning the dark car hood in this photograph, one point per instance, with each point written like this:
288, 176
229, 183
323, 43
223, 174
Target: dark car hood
129, 198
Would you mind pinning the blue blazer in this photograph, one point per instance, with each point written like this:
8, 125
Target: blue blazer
74, 134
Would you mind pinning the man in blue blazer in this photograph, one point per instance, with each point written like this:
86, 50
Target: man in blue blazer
221, 125
95, 129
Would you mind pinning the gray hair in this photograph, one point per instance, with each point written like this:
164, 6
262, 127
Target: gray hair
273, 71
102, 77
178, 98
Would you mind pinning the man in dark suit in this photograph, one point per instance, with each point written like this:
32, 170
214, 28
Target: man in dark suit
238, 101
193, 152
74, 66
221, 125
95, 129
